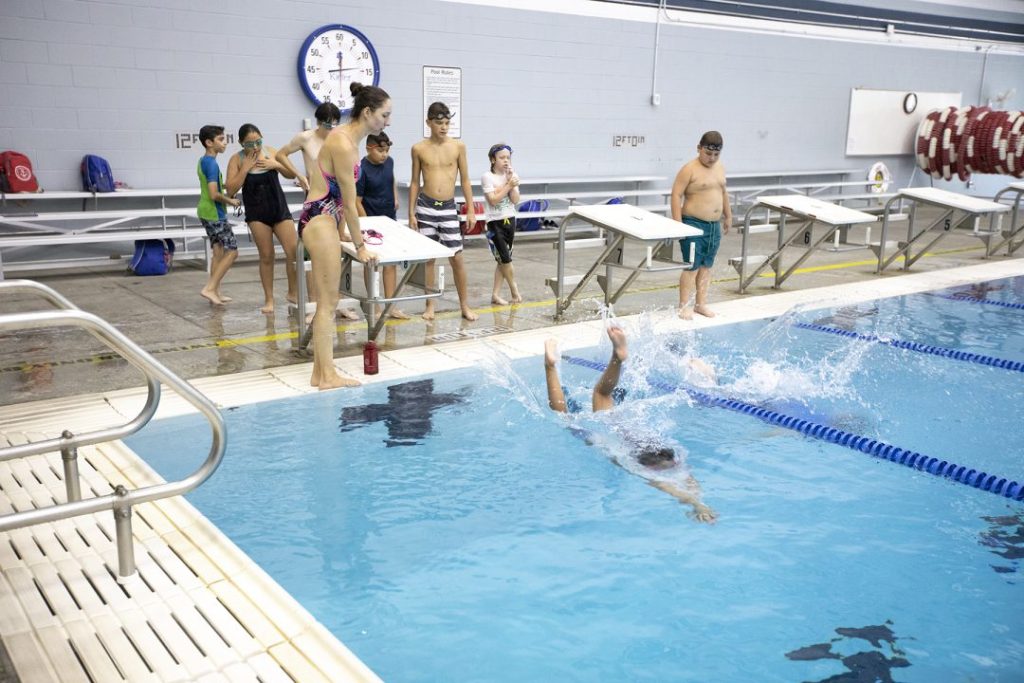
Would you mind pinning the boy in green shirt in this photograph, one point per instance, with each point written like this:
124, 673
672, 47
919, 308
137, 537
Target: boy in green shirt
212, 214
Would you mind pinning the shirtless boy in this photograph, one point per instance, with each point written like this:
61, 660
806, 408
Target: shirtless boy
699, 199
438, 159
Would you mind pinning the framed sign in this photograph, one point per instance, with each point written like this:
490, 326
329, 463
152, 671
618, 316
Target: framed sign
443, 84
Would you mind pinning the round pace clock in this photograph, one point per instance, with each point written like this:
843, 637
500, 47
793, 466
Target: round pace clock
331, 58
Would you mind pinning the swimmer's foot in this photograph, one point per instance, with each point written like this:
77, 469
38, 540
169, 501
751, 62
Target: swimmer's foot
686, 313
469, 314
498, 301
398, 314
337, 382
704, 311
291, 298
268, 307
428, 312
348, 314
223, 297
212, 297
550, 352
619, 347
517, 298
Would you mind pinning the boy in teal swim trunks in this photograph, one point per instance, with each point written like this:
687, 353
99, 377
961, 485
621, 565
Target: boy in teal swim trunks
699, 198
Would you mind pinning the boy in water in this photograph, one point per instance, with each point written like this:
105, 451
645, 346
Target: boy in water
438, 160
650, 456
699, 198
212, 214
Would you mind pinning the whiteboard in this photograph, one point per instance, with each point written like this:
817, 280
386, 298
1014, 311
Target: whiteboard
878, 124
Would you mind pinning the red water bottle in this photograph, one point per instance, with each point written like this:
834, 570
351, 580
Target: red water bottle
370, 358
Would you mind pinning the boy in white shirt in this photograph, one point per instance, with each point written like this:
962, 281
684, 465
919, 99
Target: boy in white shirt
501, 189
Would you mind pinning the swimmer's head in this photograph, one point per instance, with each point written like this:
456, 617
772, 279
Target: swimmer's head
710, 147
371, 105
328, 115
500, 156
656, 457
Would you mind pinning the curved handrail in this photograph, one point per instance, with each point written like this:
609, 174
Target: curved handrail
155, 372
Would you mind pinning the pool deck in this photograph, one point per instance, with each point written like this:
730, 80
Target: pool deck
198, 608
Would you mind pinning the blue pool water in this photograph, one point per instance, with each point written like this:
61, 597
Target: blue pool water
451, 528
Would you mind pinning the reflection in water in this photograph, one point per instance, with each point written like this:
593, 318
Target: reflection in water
407, 413
1005, 536
868, 666
229, 359
978, 291
845, 318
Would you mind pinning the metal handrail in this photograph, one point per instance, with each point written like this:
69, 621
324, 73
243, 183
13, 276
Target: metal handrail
121, 500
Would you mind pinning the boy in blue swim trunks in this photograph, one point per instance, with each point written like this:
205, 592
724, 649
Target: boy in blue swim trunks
699, 198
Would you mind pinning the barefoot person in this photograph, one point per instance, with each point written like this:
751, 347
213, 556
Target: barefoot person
255, 171
377, 195
655, 459
212, 214
436, 162
501, 190
330, 206
699, 198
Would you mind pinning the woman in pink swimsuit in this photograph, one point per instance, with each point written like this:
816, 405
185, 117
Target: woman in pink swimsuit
330, 206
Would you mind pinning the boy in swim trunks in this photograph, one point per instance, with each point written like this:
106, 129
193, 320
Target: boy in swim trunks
439, 159
699, 198
212, 214
606, 395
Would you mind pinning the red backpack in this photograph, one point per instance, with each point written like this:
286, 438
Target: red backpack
16, 173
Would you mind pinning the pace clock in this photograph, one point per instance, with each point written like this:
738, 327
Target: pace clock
331, 58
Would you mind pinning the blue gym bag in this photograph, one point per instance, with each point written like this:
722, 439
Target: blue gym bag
152, 257
96, 174
534, 223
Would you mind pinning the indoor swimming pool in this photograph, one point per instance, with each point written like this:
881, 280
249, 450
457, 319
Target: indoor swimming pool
451, 527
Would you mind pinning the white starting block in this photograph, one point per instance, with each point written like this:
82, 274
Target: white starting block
399, 246
957, 210
1016, 227
621, 222
807, 210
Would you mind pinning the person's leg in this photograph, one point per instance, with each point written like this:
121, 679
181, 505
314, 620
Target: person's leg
703, 282
602, 397
263, 236
712, 241
209, 290
687, 285
321, 239
429, 280
556, 397
390, 278
509, 274
459, 275
499, 277
289, 239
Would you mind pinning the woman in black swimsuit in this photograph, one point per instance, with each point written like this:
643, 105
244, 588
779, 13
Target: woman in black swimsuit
255, 171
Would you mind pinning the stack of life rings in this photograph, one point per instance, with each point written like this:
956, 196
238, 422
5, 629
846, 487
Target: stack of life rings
970, 140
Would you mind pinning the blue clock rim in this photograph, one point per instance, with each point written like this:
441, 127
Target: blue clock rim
301, 65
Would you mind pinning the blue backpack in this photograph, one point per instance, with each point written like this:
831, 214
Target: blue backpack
615, 200
533, 223
152, 257
96, 174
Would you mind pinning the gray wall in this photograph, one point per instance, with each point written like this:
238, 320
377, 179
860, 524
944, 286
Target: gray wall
122, 79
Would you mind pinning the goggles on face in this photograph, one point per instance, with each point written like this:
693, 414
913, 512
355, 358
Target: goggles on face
253, 144
712, 148
330, 124
441, 118
493, 152
381, 145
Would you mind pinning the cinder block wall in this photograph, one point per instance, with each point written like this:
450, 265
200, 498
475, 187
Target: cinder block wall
124, 79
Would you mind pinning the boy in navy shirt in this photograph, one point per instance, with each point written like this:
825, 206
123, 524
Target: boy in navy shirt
377, 195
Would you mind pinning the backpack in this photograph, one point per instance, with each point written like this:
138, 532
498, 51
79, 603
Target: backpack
152, 257
615, 200
534, 223
16, 173
481, 219
96, 174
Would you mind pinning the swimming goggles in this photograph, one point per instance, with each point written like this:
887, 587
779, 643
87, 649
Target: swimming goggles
372, 237
712, 148
328, 125
497, 148
253, 144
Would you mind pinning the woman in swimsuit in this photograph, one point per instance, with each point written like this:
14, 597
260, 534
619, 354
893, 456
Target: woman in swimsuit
255, 171
330, 206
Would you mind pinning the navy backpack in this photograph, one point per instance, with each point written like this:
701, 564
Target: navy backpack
534, 223
152, 257
96, 174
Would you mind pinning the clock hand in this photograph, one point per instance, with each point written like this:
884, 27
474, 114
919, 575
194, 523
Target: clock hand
351, 68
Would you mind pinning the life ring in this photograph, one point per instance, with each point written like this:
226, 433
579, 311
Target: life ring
881, 177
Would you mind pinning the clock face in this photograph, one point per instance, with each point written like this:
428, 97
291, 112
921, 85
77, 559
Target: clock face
331, 58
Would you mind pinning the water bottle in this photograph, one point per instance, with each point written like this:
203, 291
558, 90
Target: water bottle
370, 358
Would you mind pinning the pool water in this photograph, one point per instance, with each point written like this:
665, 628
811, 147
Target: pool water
452, 528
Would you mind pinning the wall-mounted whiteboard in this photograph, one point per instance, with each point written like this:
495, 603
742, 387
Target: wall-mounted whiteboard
880, 126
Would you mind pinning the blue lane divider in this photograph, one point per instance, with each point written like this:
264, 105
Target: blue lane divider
941, 351
879, 449
967, 299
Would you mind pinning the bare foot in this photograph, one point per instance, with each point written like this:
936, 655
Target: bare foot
292, 298
336, 382
428, 313
704, 311
223, 297
211, 297
495, 299
348, 314
550, 352
469, 314
398, 314
618, 337
686, 313
267, 307
516, 298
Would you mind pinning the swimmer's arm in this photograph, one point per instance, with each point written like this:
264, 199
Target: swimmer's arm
359, 207
293, 146
726, 208
414, 188
556, 397
343, 157
394, 188
701, 512
287, 170
236, 175
678, 188
213, 189
467, 187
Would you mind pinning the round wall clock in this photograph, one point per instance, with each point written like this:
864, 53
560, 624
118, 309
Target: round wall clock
331, 58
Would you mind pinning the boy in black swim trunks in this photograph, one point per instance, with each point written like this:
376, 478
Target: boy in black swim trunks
651, 456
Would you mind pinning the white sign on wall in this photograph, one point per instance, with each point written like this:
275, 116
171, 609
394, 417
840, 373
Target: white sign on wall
443, 84
885, 121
